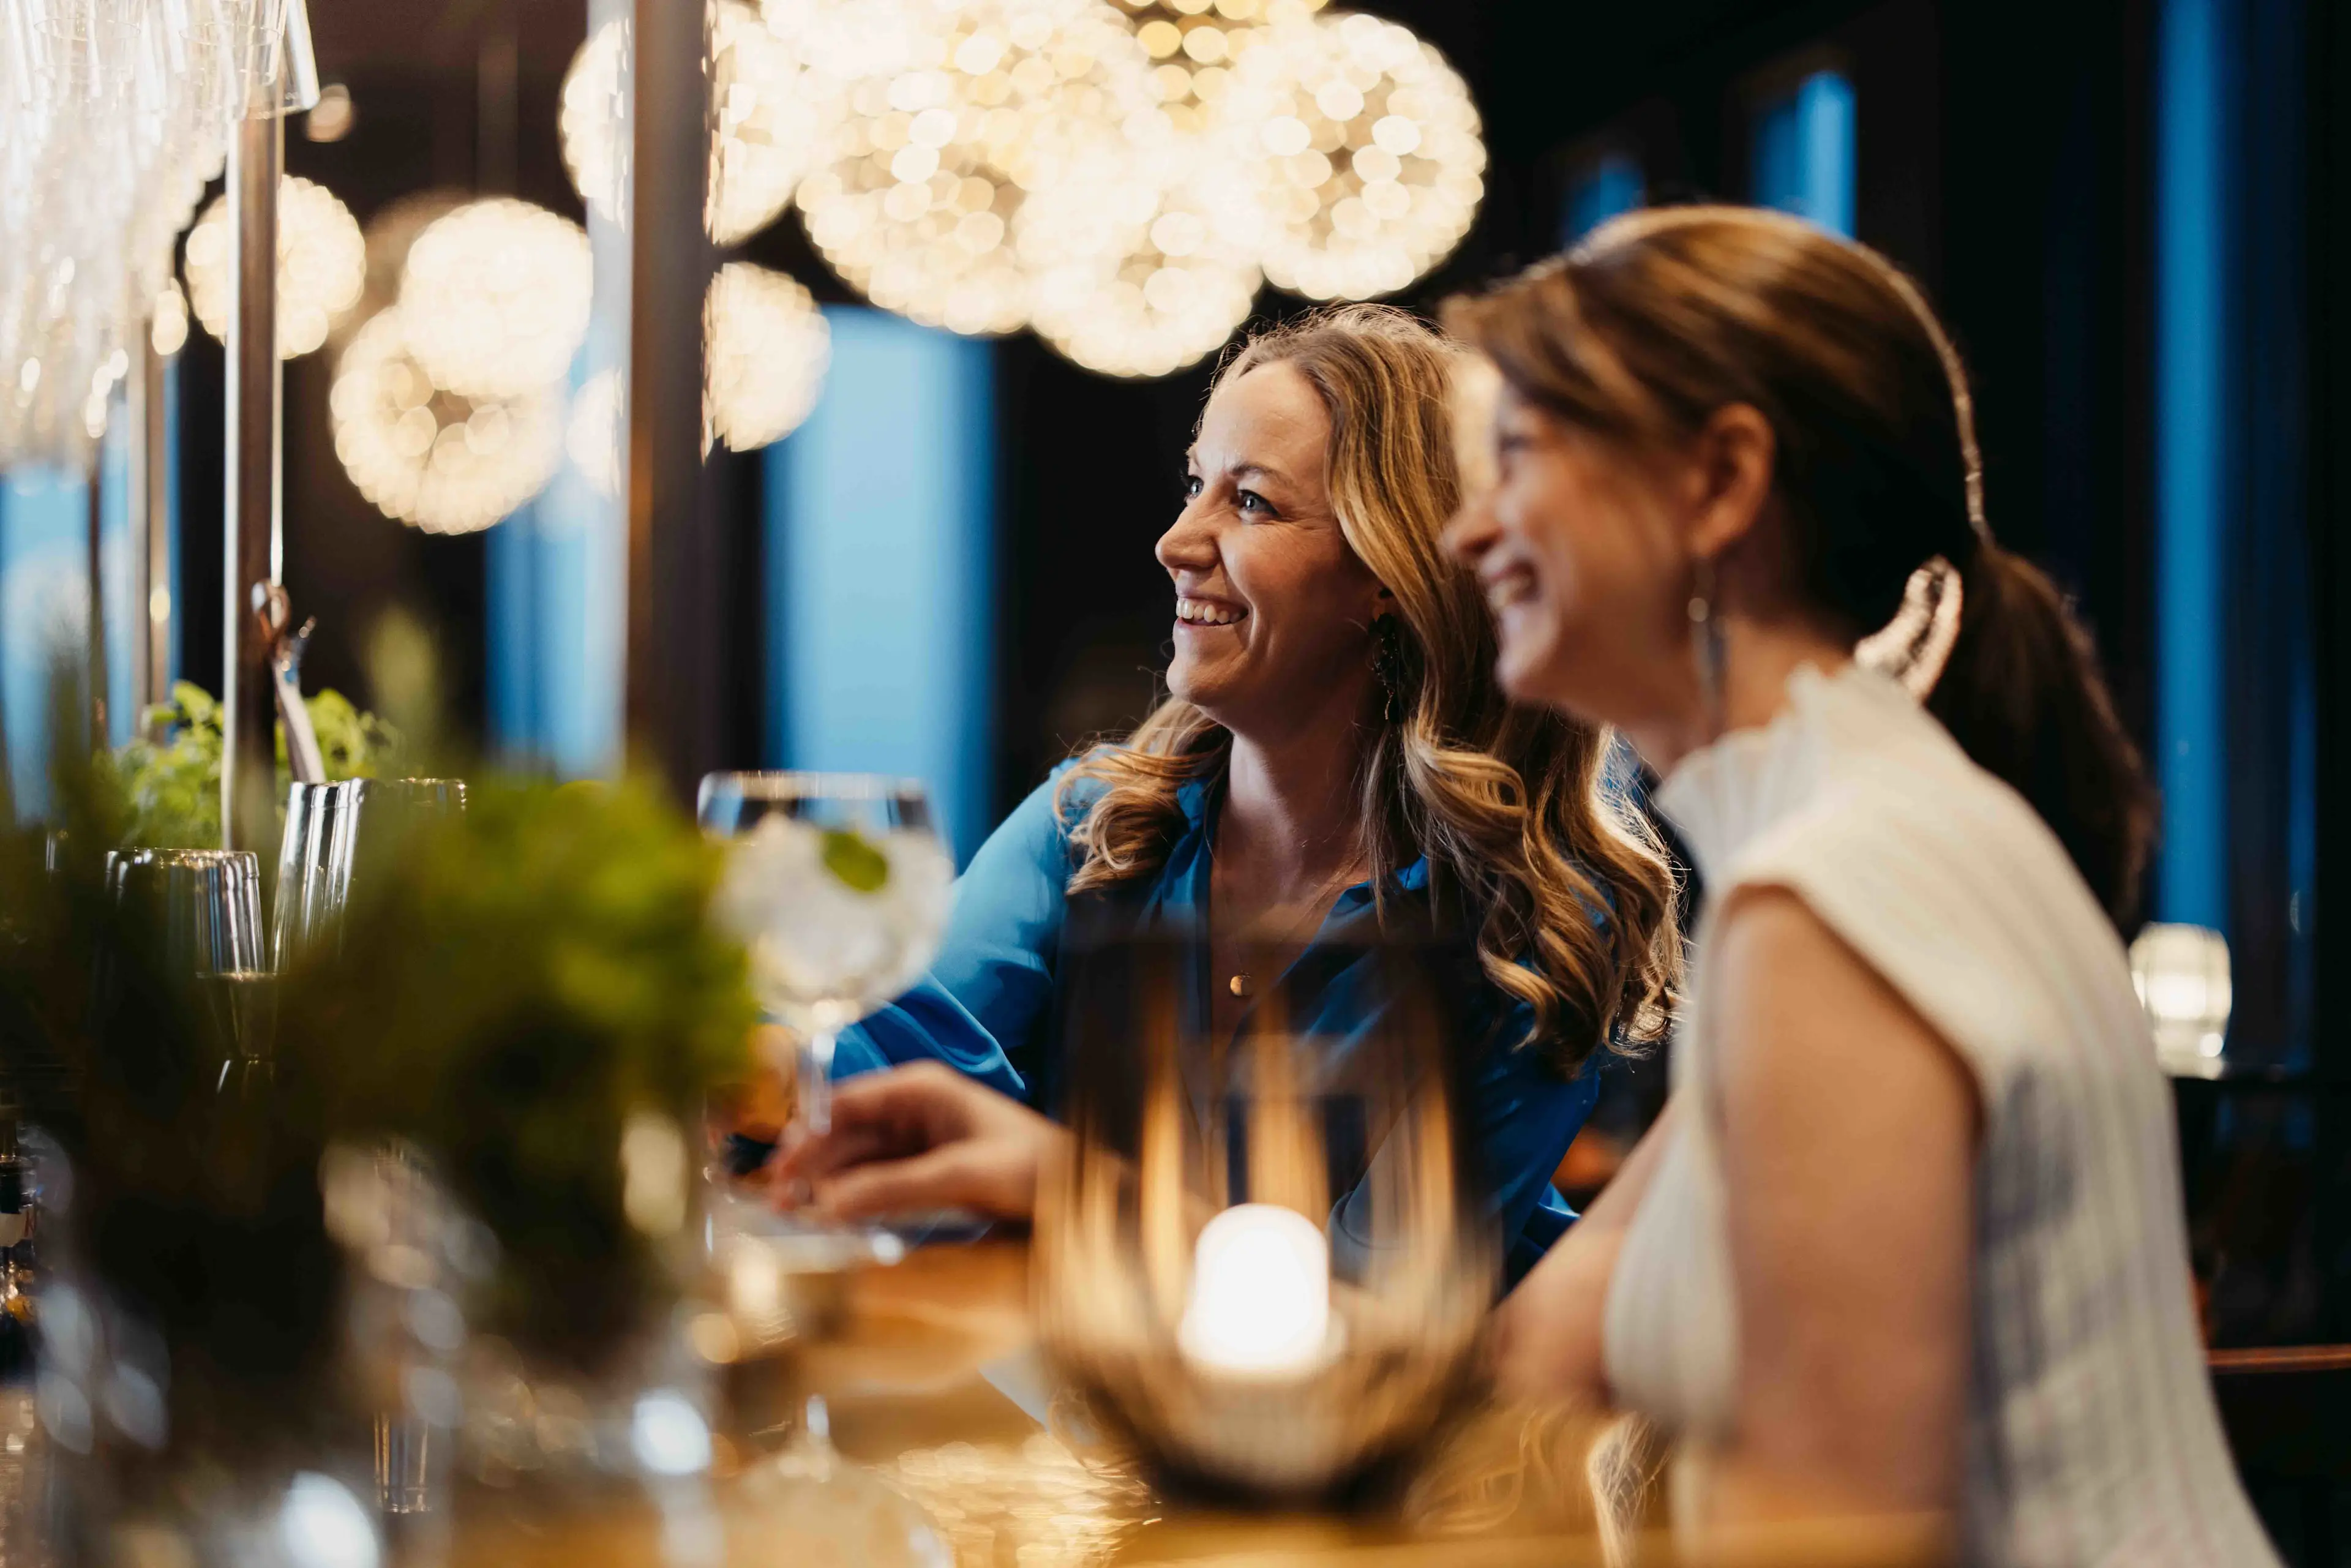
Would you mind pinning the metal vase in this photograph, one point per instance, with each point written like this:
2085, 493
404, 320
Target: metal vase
333, 833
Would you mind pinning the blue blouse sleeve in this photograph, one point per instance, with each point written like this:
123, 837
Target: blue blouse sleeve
982, 1007
1524, 1115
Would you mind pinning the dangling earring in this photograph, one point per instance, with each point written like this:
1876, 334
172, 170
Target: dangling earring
1707, 645
1387, 667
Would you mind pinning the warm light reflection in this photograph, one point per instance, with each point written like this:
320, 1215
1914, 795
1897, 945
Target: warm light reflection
429, 457
591, 439
167, 330
1038, 1504
768, 347
495, 296
593, 121
321, 266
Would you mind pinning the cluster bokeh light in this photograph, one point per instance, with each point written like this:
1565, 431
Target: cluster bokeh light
442, 461
1368, 146
495, 296
322, 265
767, 346
957, 111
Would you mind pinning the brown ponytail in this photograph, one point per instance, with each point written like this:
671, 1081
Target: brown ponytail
1659, 318
2021, 695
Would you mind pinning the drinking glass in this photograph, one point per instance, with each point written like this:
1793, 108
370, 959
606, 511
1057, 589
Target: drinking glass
338, 834
203, 910
839, 888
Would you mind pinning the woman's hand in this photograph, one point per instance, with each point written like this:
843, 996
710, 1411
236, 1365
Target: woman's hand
921, 1136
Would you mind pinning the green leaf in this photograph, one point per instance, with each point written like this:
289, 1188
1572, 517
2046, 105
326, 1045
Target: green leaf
849, 857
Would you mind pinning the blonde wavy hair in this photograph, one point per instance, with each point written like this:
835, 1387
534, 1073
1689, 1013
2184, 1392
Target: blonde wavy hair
1528, 841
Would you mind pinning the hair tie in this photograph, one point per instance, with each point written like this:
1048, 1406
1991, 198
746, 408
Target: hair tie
1913, 647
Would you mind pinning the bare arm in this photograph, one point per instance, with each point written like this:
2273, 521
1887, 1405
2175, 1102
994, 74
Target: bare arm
1849, 1132
1547, 1335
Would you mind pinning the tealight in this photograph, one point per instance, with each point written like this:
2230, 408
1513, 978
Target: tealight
1260, 1296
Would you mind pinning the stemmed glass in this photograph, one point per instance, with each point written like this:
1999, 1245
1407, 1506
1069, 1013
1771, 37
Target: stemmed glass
838, 887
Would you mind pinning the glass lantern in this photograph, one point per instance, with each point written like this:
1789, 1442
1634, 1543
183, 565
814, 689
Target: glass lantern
1266, 1262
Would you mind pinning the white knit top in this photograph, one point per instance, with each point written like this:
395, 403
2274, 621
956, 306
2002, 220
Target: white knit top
2091, 1432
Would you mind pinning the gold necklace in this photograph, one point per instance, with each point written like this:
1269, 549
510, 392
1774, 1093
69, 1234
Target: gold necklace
1238, 983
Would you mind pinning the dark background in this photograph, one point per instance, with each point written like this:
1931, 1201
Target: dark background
2006, 156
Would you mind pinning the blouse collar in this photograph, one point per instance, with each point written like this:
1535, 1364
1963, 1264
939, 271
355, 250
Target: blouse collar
1724, 796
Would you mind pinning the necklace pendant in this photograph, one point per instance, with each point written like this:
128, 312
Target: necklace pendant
1238, 985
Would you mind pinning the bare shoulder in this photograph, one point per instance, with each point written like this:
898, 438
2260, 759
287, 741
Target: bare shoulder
1793, 1000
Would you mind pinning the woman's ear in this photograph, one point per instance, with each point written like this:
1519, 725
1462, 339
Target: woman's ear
1732, 462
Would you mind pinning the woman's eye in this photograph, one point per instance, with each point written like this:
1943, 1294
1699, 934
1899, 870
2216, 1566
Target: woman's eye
1253, 502
1191, 486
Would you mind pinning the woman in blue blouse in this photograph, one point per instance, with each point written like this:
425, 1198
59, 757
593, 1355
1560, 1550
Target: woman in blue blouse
1333, 727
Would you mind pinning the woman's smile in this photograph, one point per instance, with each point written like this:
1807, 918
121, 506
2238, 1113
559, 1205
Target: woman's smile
1194, 613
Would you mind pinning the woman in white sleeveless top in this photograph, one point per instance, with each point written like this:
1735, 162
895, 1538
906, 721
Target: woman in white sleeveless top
1910, 1234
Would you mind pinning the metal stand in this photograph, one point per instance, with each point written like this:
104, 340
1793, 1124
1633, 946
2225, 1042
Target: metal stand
252, 510
94, 521
151, 528
670, 265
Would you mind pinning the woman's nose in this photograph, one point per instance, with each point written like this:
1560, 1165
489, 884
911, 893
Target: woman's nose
1472, 531
1189, 544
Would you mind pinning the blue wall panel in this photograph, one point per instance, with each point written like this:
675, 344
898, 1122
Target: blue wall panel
1603, 189
2191, 462
556, 601
880, 550
1804, 152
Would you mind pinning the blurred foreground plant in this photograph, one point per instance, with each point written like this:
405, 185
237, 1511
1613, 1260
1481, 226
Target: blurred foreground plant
530, 983
195, 1223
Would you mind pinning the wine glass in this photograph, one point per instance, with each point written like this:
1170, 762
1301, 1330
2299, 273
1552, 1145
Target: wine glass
839, 888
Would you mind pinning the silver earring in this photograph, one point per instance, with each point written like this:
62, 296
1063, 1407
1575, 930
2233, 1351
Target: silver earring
1707, 645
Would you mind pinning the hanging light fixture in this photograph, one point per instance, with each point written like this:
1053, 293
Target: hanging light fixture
429, 457
321, 266
1146, 254
494, 298
956, 113
772, 115
1194, 43
767, 346
1147, 271
1367, 149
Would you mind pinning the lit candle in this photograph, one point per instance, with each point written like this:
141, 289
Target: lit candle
1260, 1297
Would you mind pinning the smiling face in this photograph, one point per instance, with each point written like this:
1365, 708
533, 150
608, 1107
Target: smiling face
1585, 560
1273, 609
